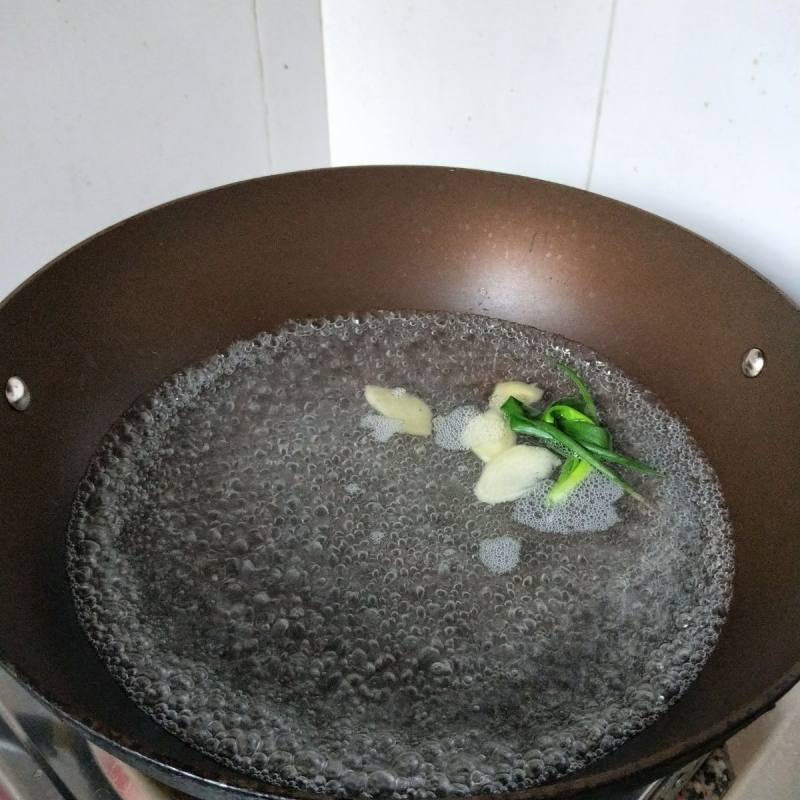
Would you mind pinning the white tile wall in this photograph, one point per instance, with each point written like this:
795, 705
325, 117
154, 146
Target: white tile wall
701, 123
109, 108
509, 86
294, 83
766, 755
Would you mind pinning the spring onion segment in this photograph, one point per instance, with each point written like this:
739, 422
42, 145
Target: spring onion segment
571, 426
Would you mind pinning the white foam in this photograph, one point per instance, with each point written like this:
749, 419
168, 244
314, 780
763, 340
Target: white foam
590, 508
382, 428
448, 429
500, 555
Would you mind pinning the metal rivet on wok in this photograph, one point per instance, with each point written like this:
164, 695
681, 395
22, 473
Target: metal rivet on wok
753, 362
17, 393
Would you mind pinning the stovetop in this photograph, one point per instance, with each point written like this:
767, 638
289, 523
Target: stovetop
41, 758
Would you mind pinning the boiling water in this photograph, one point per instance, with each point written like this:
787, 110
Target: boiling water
325, 610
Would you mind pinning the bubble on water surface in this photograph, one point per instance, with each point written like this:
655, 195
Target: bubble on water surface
500, 554
448, 429
382, 428
591, 507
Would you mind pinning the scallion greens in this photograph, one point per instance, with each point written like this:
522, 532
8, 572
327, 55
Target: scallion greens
571, 426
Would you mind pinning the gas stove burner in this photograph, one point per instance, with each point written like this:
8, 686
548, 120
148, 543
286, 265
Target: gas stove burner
129, 783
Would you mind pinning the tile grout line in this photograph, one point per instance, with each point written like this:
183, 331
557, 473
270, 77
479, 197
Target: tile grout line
262, 81
325, 92
603, 77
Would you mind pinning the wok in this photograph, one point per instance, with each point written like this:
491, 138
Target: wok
111, 318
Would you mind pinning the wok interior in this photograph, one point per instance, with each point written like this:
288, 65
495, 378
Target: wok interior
113, 317
317, 606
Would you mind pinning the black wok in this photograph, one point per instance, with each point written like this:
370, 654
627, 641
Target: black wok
111, 318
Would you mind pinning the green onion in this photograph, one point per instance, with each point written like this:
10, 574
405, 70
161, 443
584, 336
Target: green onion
573, 473
549, 432
561, 410
588, 404
618, 458
571, 426
586, 432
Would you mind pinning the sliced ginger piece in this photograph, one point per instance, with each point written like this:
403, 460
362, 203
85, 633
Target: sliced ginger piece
408, 409
488, 434
526, 393
514, 473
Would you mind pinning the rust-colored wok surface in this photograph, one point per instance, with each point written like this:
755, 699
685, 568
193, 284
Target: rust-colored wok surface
114, 316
